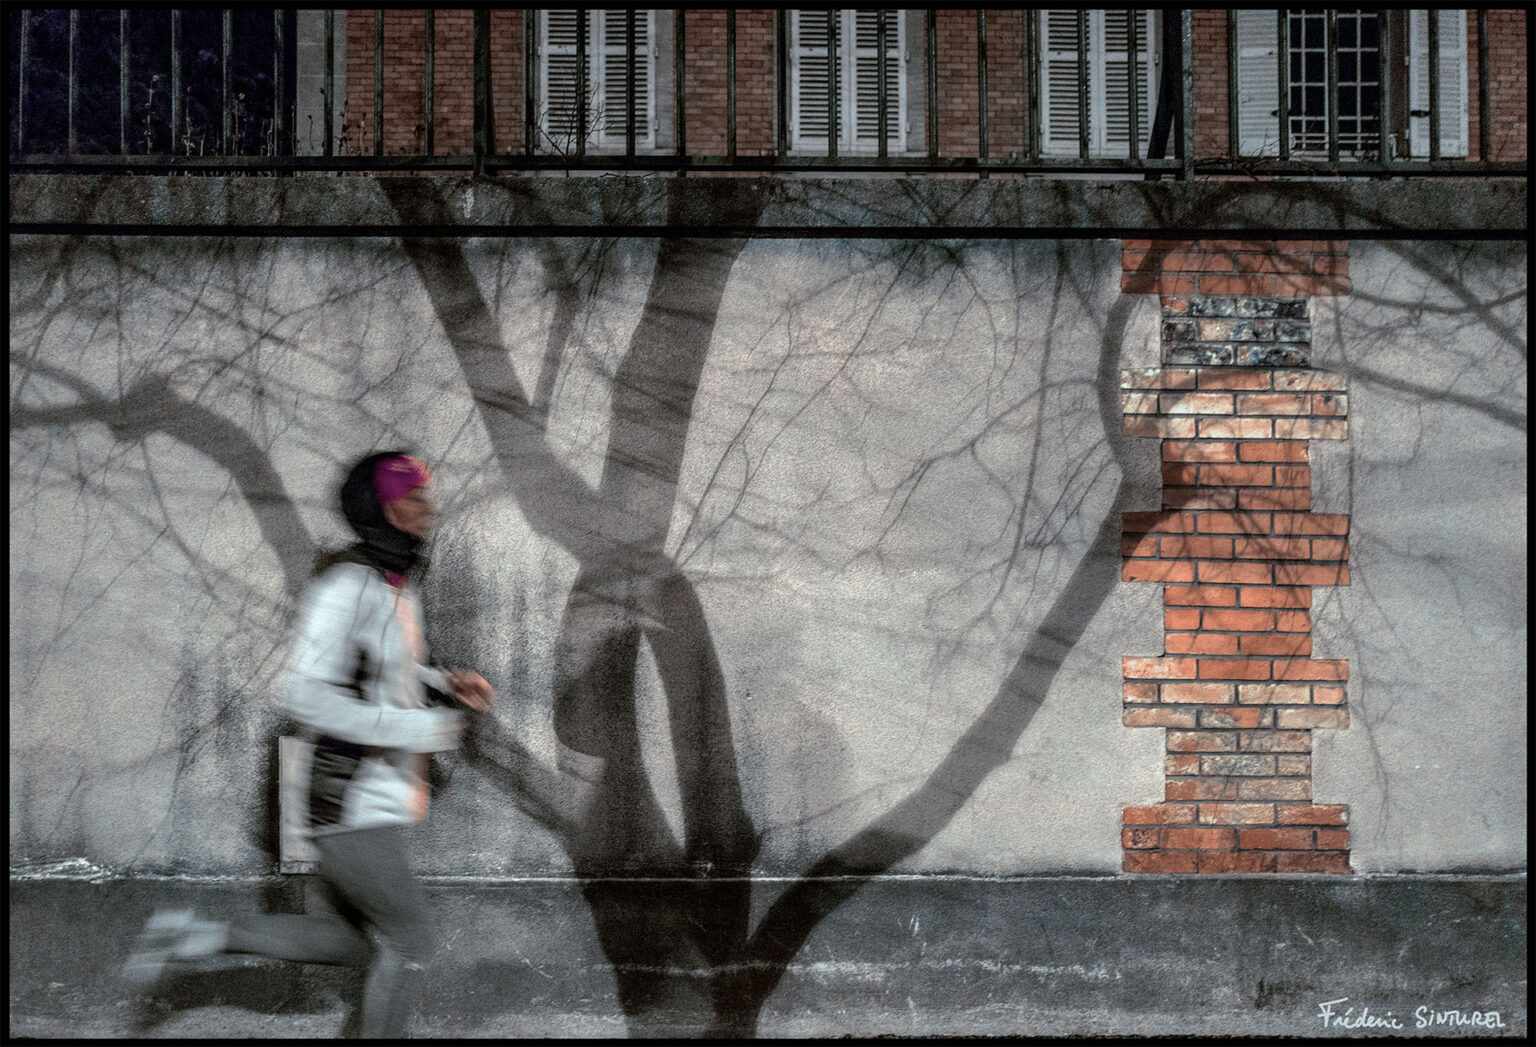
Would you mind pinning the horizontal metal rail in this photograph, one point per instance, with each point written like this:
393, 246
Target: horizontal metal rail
995, 146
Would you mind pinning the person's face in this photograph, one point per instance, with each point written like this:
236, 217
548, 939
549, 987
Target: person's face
413, 514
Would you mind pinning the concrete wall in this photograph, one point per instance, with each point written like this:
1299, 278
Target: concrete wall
898, 457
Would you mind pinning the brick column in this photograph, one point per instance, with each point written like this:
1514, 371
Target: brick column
1237, 550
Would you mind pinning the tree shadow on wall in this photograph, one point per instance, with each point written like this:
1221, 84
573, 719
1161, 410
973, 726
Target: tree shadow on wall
685, 956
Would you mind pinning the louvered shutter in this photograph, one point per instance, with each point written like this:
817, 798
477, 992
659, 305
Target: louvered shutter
866, 80
1094, 56
561, 88
810, 116
1060, 77
1453, 82
1114, 123
1258, 83
615, 71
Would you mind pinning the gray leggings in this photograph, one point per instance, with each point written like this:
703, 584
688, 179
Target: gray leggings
369, 874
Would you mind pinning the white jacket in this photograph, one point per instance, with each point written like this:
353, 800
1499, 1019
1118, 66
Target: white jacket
356, 682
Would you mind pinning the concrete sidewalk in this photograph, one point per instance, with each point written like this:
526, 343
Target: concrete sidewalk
907, 957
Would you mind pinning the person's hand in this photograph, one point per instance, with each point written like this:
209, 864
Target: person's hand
470, 689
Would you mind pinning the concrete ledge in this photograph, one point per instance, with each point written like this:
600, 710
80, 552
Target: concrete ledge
913, 956
819, 206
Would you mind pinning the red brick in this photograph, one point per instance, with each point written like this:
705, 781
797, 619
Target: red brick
1293, 621
1139, 839
1160, 861
1239, 620
1158, 716
1275, 741
1160, 814
1235, 862
1283, 645
1200, 789
1293, 476
1312, 862
1327, 695
1199, 451
1237, 814
1200, 643
1293, 763
1236, 475
1275, 596
1234, 523
1275, 839
1139, 692
1202, 742
1273, 694
1274, 788
1273, 403
1307, 381
1181, 763
1273, 451
1181, 618
1236, 428
1158, 571
1229, 719
1158, 668
1179, 474
1138, 545
1195, 403
1311, 669
1150, 425
1311, 523
1198, 693
1216, 571
1289, 498
1312, 814
1269, 548
1306, 719
1198, 839
1223, 378
1182, 548
1333, 404
1330, 549
1230, 285
1200, 595
1234, 669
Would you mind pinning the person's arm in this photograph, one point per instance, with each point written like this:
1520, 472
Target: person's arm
319, 692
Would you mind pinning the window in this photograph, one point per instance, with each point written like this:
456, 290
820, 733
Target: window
585, 82
851, 98
1359, 46
1086, 63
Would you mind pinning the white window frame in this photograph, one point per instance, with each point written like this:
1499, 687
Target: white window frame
606, 45
1258, 100
855, 65
1059, 140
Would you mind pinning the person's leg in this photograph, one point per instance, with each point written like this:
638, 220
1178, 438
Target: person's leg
303, 938
370, 870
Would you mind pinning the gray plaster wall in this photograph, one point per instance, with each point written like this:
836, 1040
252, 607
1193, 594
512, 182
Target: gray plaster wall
897, 504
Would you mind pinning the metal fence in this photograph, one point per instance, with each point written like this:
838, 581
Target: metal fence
230, 101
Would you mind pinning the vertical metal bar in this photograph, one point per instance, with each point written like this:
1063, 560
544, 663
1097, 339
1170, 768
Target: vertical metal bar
1187, 94
931, 33
485, 142
228, 145
1384, 119
679, 68
880, 85
1132, 25
328, 86
378, 82
73, 143
429, 87
176, 128
530, 81
832, 94
21, 83
1032, 81
279, 125
1331, 51
730, 83
1484, 135
1433, 17
1283, 79
122, 80
629, 80
981, 83
1233, 141
1082, 83
581, 81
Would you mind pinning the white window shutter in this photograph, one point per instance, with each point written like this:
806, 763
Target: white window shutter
1453, 82
559, 93
865, 94
615, 68
1059, 81
809, 115
1258, 83
1112, 121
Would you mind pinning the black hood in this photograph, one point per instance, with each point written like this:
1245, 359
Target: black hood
381, 544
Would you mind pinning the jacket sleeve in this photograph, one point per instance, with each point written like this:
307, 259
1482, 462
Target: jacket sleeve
319, 691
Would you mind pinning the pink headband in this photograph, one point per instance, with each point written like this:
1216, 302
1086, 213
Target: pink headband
398, 476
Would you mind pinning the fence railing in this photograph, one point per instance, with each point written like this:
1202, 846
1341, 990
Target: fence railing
274, 90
